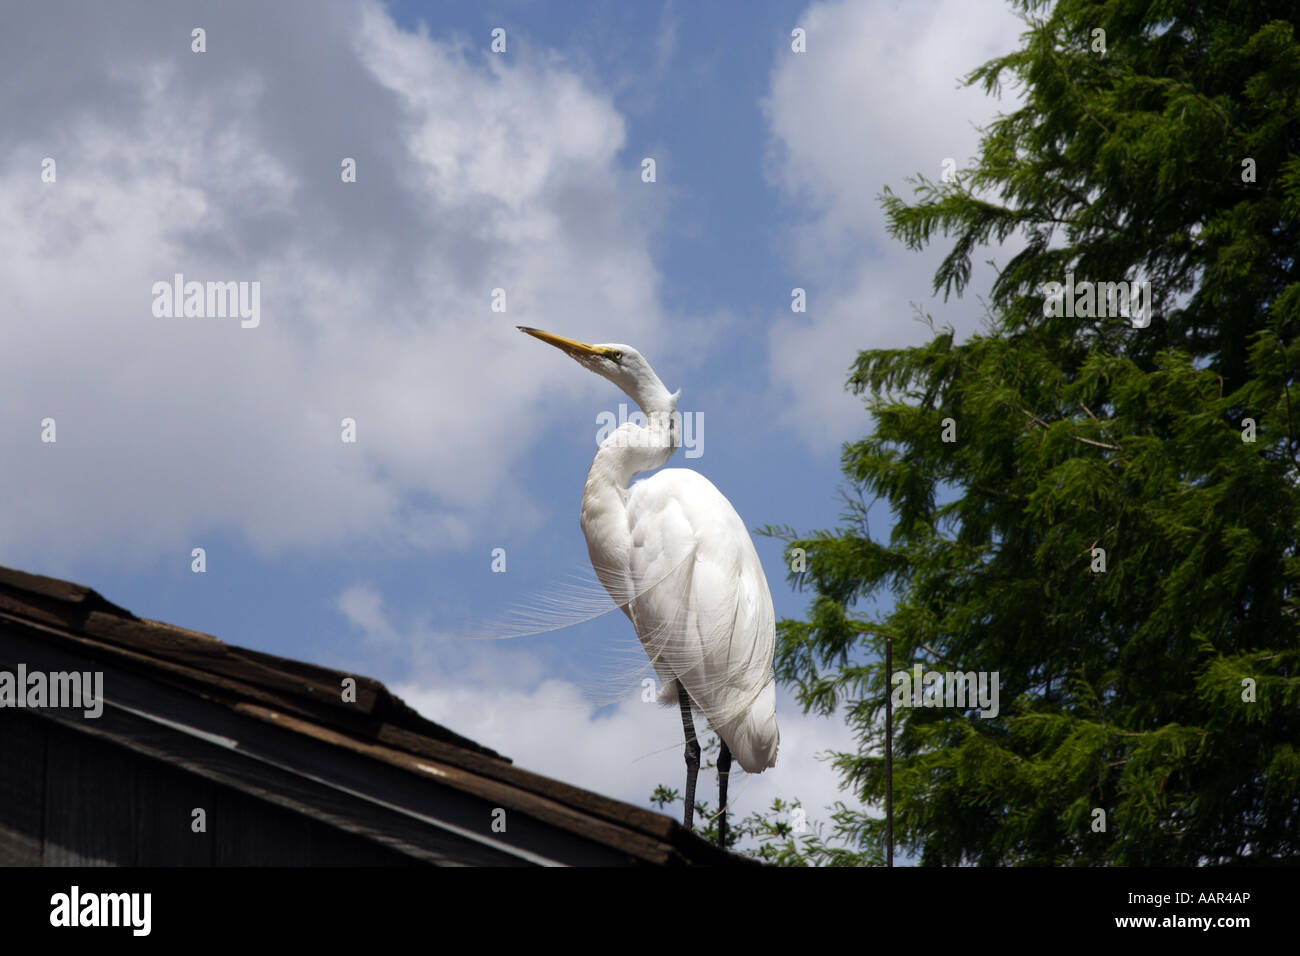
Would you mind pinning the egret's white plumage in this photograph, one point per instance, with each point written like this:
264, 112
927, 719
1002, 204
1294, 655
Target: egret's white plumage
675, 556
709, 624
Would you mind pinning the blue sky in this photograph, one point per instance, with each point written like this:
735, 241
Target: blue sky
475, 171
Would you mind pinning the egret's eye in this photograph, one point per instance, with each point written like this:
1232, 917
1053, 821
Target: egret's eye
616, 356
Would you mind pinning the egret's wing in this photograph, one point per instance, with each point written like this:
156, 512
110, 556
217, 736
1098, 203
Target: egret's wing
704, 611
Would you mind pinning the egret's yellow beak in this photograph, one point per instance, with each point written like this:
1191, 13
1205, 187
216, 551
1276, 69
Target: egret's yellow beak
569, 346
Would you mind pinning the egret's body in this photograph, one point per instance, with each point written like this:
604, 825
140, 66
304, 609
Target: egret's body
675, 556
707, 623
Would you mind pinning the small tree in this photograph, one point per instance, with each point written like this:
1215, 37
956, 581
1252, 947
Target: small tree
782, 834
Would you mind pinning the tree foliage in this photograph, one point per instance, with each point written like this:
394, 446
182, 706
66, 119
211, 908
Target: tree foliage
1163, 691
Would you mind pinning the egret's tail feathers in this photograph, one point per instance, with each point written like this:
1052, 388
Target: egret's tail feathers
754, 738
575, 601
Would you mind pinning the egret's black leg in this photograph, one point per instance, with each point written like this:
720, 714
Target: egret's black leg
724, 770
692, 754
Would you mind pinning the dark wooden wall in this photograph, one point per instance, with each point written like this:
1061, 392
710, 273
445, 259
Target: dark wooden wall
67, 799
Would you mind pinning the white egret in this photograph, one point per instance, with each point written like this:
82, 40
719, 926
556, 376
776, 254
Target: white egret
675, 556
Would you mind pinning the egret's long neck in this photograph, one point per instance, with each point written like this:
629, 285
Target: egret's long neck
627, 451
631, 449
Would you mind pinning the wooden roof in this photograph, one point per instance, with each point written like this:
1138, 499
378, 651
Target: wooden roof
195, 684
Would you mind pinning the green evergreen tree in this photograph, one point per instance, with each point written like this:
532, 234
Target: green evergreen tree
1113, 530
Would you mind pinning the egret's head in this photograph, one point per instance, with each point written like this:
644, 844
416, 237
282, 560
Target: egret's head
621, 364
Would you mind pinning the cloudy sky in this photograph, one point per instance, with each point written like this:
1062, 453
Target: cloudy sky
475, 170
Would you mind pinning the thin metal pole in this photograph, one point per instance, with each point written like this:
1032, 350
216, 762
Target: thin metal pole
889, 752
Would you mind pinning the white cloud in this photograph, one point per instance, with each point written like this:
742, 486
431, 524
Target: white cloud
554, 728
497, 694
473, 173
874, 100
